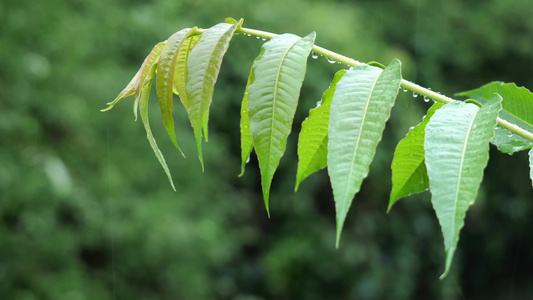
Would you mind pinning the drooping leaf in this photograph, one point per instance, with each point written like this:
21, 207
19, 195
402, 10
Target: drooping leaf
360, 108
313, 139
278, 71
129, 90
133, 87
181, 73
246, 134
203, 66
165, 80
517, 108
409, 174
457, 145
149, 61
149, 67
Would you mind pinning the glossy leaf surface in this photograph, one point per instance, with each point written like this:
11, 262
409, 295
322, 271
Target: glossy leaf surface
517, 108
457, 151
409, 174
361, 106
203, 66
273, 95
313, 139
180, 72
165, 80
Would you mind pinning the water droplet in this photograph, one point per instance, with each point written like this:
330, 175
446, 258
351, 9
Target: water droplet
405, 90
426, 99
510, 134
314, 55
415, 95
319, 103
248, 159
411, 128
264, 39
248, 34
331, 60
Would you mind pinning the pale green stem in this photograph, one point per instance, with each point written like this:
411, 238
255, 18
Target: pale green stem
413, 87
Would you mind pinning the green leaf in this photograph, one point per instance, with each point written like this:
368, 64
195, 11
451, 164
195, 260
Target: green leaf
278, 71
203, 66
360, 108
165, 80
246, 134
129, 90
517, 108
409, 174
148, 72
457, 151
181, 72
531, 165
313, 139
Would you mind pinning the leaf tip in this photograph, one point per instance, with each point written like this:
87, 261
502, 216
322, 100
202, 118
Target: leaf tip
338, 236
449, 257
266, 194
297, 184
107, 108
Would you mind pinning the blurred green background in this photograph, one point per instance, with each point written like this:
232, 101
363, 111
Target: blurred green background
86, 211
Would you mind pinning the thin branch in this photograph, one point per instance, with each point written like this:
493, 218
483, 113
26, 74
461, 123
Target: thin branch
413, 87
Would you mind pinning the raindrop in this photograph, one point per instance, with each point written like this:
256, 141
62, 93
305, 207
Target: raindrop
248, 159
426, 99
319, 103
405, 90
331, 60
257, 37
248, 34
264, 39
314, 55
415, 95
510, 134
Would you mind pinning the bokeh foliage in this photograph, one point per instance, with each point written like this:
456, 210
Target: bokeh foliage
87, 213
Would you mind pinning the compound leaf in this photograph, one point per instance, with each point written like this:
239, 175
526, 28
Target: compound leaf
313, 139
361, 106
273, 94
517, 108
409, 174
203, 66
457, 150
165, 80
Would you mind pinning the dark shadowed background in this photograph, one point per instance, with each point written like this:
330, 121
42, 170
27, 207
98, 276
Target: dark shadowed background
86, 211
